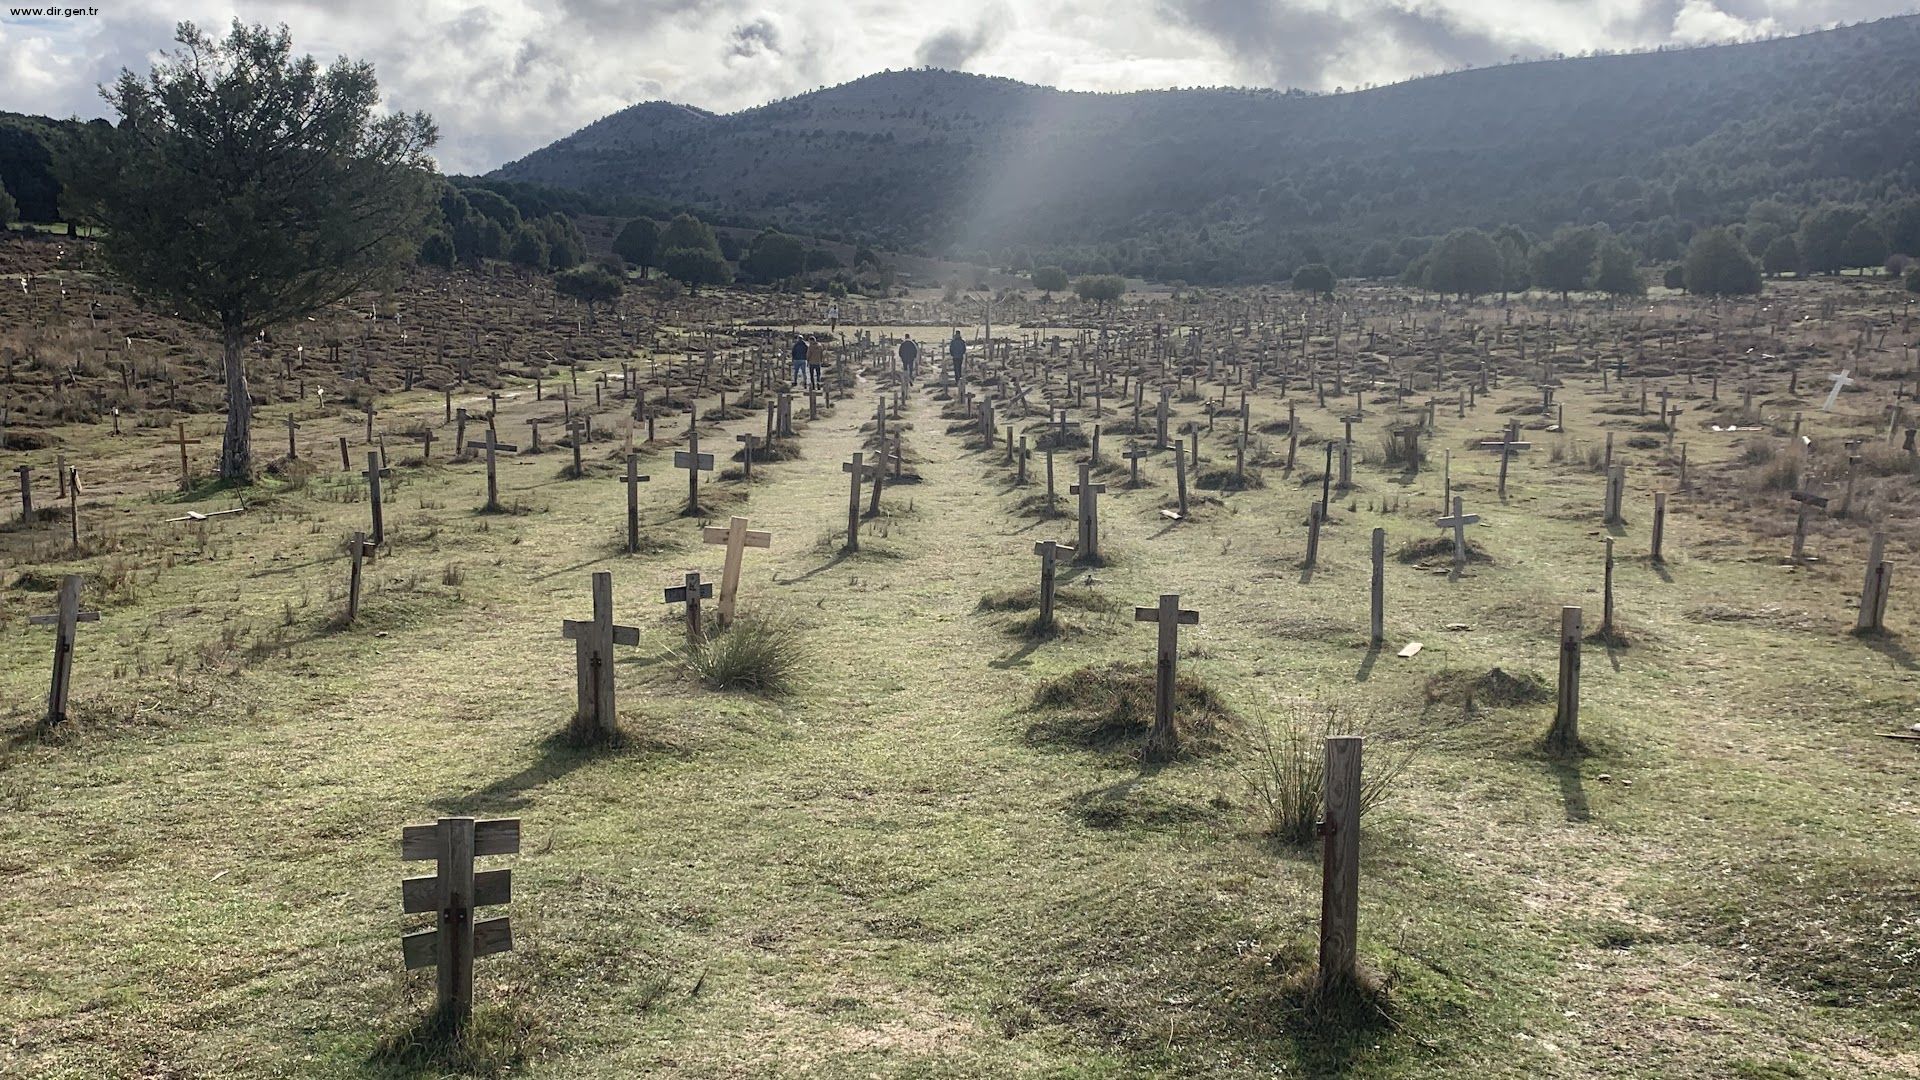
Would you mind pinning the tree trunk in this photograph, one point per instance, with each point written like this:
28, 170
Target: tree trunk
236, 447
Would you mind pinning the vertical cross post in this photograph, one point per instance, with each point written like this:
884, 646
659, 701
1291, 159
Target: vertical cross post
1340, 865
1564, 737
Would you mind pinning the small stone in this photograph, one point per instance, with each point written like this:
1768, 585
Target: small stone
1604, 778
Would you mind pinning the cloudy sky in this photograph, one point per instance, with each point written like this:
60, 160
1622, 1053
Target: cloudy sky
504, 77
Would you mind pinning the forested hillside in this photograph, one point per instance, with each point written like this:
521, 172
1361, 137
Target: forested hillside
1223, 184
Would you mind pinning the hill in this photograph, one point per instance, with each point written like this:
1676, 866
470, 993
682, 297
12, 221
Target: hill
1230, 184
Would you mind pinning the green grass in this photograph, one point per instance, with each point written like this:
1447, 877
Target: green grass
885, 871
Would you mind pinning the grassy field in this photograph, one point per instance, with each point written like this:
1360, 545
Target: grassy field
905, 868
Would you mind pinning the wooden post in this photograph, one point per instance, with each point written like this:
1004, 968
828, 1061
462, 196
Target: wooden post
1340, 865
737, 538
634, 480
1180, 473
375, 470
1606, 609
1049, 552
1379, 594
1564, 737
67, 616
26, 491
1659, 524
1313, 536
360, 551
1873, 591
1163, 740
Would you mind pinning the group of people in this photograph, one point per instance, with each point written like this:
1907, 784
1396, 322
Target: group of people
809, 357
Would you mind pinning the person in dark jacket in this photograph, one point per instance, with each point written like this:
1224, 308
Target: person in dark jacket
909, 357
957, 348
799, 359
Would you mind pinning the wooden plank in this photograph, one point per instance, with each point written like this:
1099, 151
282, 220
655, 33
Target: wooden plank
420, 949
422, 894
492, 936
498, 836
1412, 649
1340, 862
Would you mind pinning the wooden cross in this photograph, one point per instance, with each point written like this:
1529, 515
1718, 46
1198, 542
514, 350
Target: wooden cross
593, 644
857, 470
361, 552
1088, 543
634, 480
691, 594
737, 537
375, 470
1458, 523
493, 446
184, 442
1163, 742
577, 434
1049, 552
452, 892
293, 428
369, 410
747, 440
1807, 501
692, 460
426, 444
63, 624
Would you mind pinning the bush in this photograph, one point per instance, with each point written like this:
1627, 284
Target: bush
1289, 770
762, 653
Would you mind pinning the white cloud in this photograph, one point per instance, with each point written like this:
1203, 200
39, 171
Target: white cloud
504, 77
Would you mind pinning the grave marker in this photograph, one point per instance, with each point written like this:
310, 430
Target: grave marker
1458, 522
690, 594
1049, 552
593, 644
64, 621
360, 551
1163, 741
692, 460
737, 538
493, 446
452, 892
1340, 865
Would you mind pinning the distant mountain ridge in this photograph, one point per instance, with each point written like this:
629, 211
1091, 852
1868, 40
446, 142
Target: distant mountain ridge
1222, 184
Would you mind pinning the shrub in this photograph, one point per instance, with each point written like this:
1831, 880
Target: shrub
762, 653
1288, 770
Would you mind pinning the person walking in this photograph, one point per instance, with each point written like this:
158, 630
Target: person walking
909, 357
957, 348
816, 360
800, 351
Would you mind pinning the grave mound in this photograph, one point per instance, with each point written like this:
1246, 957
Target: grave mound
1495, 689
1109, 709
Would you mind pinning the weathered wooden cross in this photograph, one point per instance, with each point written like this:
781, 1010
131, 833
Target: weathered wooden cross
737, 538
184, 442
593, 644
1049, 552
857, 470
1458, 522
1088, 544
493, 446
63, 623
1162, 741
361, 552
692, 460
451, 893
690, 594
634, 480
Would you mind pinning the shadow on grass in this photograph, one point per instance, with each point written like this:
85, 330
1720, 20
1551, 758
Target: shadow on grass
558, 756
495, 1042
1889, 646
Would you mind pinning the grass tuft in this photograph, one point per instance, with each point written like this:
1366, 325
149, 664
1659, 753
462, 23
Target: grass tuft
764, 653
1288, 771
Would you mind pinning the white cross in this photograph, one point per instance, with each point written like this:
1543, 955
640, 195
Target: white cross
1840, 382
